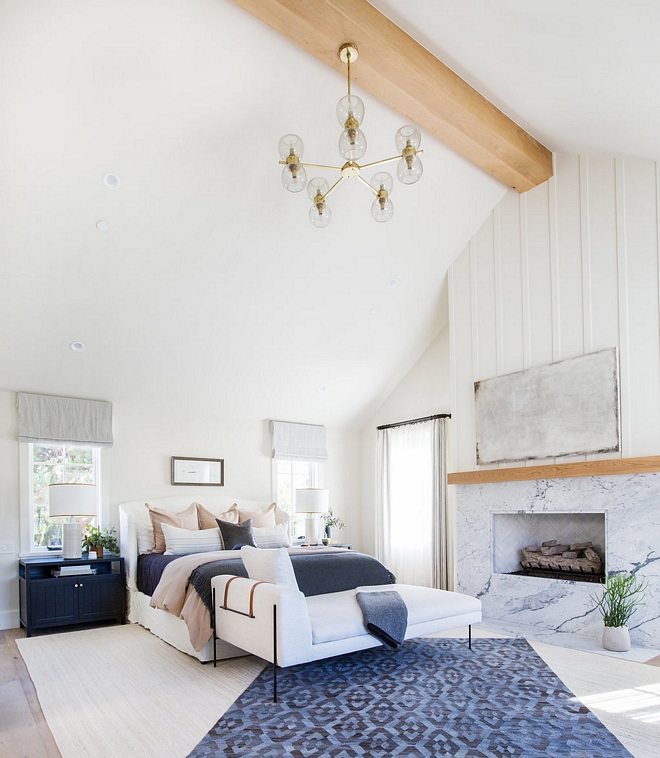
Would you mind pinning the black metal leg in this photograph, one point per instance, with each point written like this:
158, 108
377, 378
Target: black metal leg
274, 653
215, 636
470, 636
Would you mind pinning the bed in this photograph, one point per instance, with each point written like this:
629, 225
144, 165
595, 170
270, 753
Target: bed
318, 571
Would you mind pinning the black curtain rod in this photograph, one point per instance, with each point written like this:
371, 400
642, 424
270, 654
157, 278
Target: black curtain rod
415, 421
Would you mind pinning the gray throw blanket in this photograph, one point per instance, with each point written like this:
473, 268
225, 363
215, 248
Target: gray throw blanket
385, 616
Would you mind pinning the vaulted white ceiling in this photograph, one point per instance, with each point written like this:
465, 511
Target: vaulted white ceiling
210, 290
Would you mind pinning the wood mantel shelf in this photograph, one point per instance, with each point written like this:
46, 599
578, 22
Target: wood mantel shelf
558, 470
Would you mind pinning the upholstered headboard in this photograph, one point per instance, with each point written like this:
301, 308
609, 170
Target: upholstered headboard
136, 510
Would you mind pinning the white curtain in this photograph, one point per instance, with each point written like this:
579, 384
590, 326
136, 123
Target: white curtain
412, 503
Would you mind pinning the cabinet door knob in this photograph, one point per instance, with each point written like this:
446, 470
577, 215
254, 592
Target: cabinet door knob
75, 585
80, 585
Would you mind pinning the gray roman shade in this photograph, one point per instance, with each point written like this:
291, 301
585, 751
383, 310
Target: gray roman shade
298, 442
64, 419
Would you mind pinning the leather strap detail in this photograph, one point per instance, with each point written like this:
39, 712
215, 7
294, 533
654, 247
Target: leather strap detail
252, 589
224, 604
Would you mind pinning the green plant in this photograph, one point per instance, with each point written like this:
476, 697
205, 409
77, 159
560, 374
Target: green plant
623, 593
94, 538
332, 520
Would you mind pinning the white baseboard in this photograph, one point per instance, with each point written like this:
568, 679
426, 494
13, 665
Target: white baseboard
9, 619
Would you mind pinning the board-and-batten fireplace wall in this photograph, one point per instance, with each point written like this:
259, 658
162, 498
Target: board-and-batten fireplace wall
568, 268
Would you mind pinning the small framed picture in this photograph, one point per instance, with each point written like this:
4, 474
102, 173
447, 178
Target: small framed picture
199, 472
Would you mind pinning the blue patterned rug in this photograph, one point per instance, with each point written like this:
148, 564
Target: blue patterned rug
432, 697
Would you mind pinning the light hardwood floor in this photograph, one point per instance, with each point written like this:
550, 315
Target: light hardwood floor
23, 729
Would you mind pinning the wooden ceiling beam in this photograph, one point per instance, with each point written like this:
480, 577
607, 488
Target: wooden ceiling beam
397, 70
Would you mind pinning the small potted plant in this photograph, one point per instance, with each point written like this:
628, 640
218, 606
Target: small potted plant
623, 593
330, 521
97, 541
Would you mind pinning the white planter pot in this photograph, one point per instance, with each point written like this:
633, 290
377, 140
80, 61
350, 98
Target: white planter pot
616, 638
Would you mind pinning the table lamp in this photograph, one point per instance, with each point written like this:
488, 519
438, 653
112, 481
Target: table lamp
73, 500
313, 502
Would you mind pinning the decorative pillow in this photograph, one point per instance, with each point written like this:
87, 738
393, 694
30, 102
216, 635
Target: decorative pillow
234, 536
272, 566
259, 518
206, 519
185, 541
183, 519
271, 536
145, 536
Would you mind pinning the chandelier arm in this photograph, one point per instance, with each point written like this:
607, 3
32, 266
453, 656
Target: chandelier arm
336, 184
317, 165
364, 181
387, 160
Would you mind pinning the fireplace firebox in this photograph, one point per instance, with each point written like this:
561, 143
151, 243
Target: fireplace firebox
560, 545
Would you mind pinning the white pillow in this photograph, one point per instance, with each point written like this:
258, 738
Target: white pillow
271, 536
272, 566
145, 536
185, 541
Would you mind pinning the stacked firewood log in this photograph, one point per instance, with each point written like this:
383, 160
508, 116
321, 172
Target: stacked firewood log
579, 557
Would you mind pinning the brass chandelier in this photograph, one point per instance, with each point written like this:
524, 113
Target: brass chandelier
352, 146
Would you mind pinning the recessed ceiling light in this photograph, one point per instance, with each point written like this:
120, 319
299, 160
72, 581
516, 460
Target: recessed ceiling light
102, 226
77, 347
373, 311
323, 387
393, 283
111, 181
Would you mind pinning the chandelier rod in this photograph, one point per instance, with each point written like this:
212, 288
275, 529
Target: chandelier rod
364, 181
348, 65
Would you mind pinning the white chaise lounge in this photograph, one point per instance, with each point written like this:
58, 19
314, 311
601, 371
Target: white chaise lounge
282, 626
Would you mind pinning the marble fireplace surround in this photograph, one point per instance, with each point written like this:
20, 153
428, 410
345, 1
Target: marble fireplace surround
631, 504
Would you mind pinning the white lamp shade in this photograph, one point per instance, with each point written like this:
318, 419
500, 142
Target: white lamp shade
312, 501
72, 500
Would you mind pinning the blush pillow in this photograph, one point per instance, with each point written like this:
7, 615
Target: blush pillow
183, 519
272, 566
235, 536
206, 519
187, 541
259, 518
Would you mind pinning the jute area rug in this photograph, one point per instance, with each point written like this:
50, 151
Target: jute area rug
432, 697
120, 692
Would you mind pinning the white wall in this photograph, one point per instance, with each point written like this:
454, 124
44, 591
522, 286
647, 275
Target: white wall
424, 391
9, 510
568, 268
138, 466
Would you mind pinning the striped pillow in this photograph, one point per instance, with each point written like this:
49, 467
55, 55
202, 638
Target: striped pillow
271, 536
185, 541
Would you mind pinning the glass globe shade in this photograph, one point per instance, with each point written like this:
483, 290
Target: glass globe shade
382, 180
382, 211
320, 217
407, 133
350, 105
294, 177
409, 170
352, 144
286, 143
316, 185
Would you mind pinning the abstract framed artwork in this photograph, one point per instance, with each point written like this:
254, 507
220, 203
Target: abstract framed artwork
565, 408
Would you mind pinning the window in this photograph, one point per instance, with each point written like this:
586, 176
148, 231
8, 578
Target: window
291, 476
55, 463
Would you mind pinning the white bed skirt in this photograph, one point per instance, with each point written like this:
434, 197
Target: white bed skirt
174, 630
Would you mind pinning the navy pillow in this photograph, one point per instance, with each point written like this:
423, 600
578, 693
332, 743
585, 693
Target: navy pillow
234, 536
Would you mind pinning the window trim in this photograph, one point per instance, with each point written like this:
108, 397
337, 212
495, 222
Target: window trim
26, 462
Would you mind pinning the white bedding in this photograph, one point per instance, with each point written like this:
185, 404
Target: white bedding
165, 625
